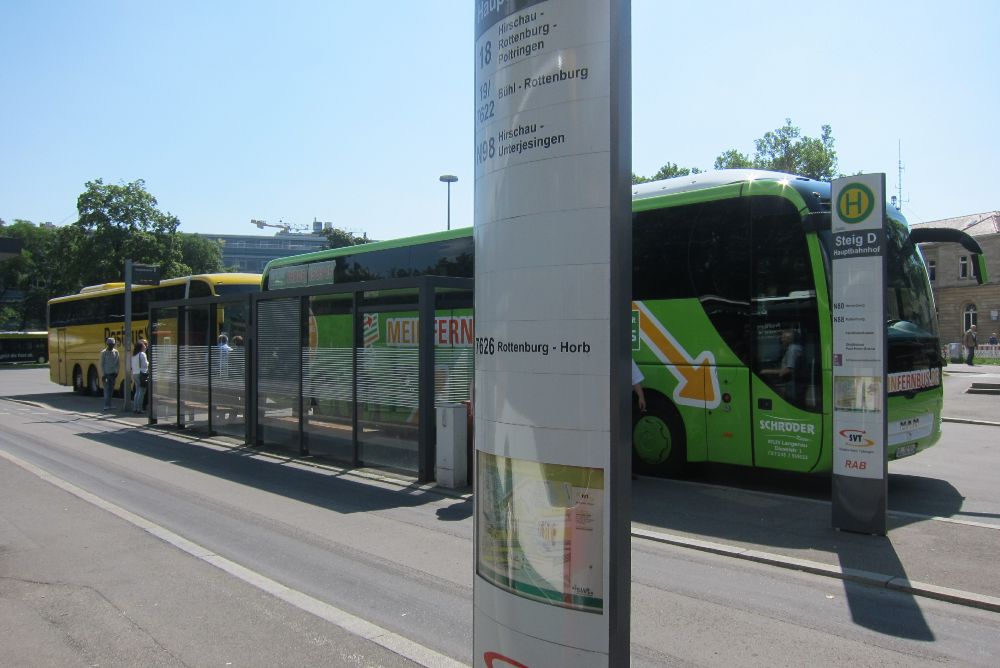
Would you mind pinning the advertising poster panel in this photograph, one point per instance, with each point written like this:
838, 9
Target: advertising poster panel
552, 233
859, 354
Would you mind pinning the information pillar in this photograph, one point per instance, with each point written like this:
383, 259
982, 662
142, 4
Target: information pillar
552, 406
860, 406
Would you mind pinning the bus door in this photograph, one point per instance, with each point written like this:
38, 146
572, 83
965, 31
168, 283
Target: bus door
727, 418
61, 354
786, 388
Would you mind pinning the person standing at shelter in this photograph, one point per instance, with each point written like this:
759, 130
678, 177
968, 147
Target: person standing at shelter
145, 397
993, 339
140, 372
224, 350
969, 341
109, 370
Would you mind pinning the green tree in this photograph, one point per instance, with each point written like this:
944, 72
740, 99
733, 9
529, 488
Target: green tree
786, 150
118, 222
338, 238
668, 171
201, 255
733, 159
31, 276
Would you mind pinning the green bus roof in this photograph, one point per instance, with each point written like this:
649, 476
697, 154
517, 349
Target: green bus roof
319, 256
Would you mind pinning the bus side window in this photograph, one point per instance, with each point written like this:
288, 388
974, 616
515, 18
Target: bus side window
720, 266
199, 289
660, 241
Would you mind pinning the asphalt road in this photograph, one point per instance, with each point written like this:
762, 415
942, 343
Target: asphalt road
397, 556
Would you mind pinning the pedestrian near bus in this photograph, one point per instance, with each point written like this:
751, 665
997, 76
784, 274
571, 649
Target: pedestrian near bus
109, 370
140, 372
149, 364
224, 350
637, 379
969, 341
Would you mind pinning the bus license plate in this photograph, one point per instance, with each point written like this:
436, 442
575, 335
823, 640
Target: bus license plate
906, 450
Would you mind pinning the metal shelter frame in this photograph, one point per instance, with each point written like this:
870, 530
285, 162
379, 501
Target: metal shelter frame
419, 294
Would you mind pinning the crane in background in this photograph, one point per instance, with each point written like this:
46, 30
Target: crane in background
284, 227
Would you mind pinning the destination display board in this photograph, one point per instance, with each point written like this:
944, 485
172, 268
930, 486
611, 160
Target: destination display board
547, 156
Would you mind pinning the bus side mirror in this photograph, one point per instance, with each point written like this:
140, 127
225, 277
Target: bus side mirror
979, 269
816, 221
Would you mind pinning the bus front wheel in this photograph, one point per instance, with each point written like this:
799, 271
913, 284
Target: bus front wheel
659, 443
93, 384
78, 385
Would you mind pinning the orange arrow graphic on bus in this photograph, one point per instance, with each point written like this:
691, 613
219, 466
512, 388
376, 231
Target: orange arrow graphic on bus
697, 379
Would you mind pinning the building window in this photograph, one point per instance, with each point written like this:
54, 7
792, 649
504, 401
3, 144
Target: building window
932, 269
963, 266
970, 317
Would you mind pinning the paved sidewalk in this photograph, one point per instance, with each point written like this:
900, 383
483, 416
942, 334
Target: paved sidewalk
959, 406
941, 558
948, 560
82, 587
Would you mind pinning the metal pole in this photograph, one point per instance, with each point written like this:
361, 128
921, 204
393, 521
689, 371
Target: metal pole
449, 179
126, 353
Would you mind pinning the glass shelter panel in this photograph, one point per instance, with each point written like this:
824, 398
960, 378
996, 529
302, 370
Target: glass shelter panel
328, 378
388, 365
163, 364
278, 372
194, 366
453, 375
454, 337
229, 370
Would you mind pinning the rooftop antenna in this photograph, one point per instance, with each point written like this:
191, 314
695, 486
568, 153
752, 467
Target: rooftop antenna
898, 200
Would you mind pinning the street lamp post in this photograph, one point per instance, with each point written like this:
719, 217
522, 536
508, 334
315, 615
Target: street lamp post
449, 179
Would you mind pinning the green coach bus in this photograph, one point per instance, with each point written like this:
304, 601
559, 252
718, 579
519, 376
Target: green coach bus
731, 318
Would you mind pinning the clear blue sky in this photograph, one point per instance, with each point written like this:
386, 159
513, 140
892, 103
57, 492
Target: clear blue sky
349, 112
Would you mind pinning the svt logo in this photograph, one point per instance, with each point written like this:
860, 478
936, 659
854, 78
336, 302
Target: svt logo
858, 437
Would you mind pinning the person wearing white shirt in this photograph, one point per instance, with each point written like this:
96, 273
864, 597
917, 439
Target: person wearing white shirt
140, 374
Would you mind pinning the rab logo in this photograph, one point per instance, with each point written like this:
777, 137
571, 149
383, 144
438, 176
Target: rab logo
496, 660
857, 437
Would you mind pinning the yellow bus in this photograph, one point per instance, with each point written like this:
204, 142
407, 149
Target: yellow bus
80, 324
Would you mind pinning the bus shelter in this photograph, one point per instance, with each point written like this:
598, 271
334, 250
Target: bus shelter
198, 359
350, 372
353, 372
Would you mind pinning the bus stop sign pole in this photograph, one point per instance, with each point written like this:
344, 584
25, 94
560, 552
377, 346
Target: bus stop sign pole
139, 274
126, 352
860, 347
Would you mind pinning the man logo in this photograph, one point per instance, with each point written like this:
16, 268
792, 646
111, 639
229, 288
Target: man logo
856, 437
855, 203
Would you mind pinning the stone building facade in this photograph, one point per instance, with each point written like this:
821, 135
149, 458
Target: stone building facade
960, 300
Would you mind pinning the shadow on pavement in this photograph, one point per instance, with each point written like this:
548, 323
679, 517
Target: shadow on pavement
791, 515
326, 487
780, 513
896, 614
